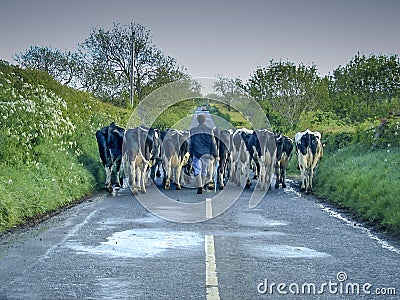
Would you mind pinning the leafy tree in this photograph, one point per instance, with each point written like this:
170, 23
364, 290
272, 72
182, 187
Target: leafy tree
286, 90
107, 55
229, 89
366, 87
65, 67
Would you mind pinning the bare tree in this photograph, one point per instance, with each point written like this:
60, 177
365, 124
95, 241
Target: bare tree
107, 56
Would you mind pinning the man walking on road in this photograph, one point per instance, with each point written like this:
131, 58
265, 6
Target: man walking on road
202, 146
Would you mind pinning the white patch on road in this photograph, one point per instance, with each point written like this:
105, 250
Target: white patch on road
285, 251
149, 219
141, 243
256, 220
291, 190
384, 244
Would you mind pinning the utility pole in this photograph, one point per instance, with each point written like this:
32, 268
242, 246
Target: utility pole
132, 69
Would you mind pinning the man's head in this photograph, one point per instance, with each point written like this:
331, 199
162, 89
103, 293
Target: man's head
201, 119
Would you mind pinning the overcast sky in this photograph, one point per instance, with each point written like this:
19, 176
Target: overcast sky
211, 37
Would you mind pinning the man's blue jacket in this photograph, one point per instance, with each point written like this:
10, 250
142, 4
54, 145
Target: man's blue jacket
202, 141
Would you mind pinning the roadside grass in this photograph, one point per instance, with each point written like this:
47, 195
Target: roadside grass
367, 183
232, 116
48, 150
29, 192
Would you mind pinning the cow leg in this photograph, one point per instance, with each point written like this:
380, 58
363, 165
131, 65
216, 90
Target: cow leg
238, 173
256, 170
167, 184
108, 178
117, 169
178, 177
233, 171
132, 179
248, 183
139, 178
307, 180
221, 179
247, 175
143, 179
283, 176
310, 178
303, 178
277, 175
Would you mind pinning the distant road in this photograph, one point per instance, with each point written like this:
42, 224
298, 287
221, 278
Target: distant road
209, 121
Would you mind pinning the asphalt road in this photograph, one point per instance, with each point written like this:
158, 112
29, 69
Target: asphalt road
113, 248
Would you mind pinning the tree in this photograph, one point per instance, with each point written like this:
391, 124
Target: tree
366, 87
65, 67
229, 89
286, 91
107, 56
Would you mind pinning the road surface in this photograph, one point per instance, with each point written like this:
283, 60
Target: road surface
113, 248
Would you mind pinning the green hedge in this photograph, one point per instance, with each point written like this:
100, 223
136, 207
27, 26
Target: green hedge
48, 151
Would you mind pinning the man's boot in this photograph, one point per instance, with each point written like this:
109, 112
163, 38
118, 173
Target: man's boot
198, 183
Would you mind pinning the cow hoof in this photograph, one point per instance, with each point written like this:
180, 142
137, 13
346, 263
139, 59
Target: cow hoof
277, 186
283, 186
247, 186
221, 187
135, 192
302, 189
178, 187
255, 177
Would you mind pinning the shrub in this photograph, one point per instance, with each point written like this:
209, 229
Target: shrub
48, 154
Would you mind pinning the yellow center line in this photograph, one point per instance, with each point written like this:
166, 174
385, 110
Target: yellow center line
211, 269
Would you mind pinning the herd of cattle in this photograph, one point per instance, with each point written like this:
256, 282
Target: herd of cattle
142, 153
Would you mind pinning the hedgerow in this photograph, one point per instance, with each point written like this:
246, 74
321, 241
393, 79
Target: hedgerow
48, 150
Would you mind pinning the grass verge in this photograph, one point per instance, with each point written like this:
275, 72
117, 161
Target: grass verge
367, 183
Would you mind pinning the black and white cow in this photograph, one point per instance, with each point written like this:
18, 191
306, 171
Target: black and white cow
175, 155
263, 145
223, 139
109, 140
141, 148
284, 152
240, 156
309, 151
